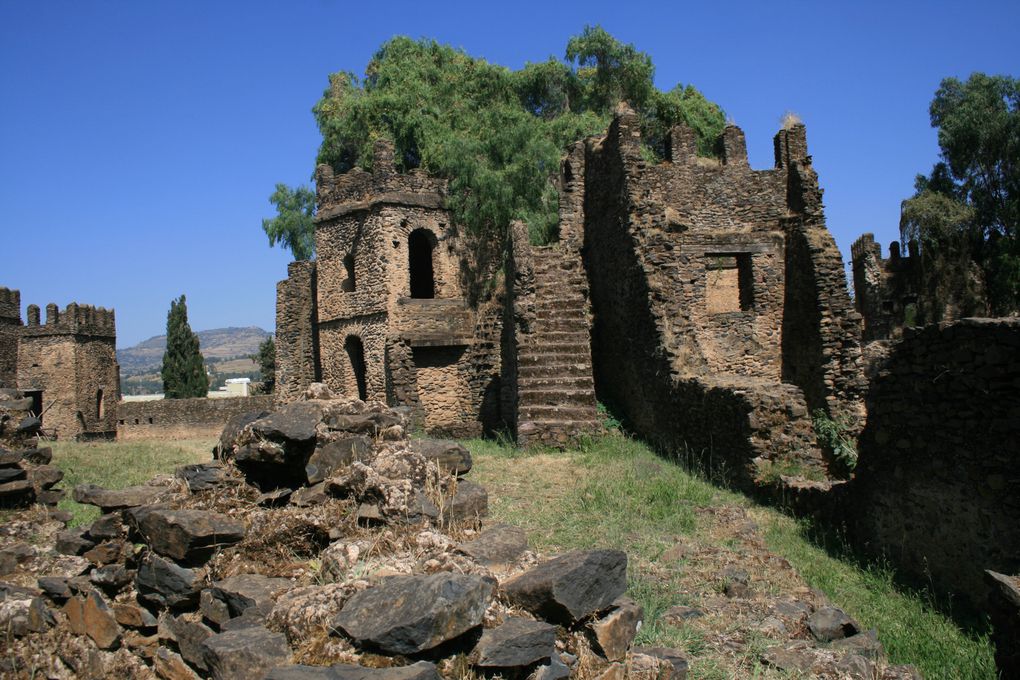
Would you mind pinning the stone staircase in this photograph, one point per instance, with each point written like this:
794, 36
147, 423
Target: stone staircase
556, 391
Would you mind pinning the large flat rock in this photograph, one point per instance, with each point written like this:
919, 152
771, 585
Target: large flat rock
187, 536
571, 587
409, 614
118, 499
247, 653
423, 670
515, 643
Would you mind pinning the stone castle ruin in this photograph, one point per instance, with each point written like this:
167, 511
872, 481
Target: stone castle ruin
706, 300
66, 364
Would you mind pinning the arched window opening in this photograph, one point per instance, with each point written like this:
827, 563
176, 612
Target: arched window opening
349, 284
99, 404
420, 245
356, 355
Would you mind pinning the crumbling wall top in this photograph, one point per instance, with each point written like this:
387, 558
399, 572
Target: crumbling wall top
357, 189
10, 304
74, 319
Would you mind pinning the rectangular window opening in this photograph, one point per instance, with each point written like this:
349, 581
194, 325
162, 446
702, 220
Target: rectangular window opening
729, 285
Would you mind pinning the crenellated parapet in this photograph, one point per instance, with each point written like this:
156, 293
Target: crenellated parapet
10, 304
885, 289
75, 319
359, 190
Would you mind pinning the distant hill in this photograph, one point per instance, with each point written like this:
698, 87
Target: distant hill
217, 345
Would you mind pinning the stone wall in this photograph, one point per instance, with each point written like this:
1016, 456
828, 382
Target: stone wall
183, 418
10, 327
885, 289
297, 351
717, 290
937, 488
71, 360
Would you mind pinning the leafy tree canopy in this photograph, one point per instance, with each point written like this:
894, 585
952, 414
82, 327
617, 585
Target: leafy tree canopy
293, 226
968, 209
496, 134
183, 370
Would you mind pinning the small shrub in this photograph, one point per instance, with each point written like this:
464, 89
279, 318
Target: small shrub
834, 434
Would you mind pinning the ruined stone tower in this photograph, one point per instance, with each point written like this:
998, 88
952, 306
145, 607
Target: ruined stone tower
382, 312
721, 314
885, 289
68, 365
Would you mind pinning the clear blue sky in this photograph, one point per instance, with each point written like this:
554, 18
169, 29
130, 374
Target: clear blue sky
139, 141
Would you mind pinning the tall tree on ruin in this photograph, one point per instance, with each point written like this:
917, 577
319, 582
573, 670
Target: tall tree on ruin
497, 134
965, 215
183, 370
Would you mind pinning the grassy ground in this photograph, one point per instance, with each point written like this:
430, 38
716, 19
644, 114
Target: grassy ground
116, 465
617, 493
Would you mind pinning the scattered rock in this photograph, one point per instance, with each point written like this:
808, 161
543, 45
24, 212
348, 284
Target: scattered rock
73, 542
500, 545
100, 623
246, 653
675, 667
409, 614
554, 669
515, 643
615, 631
187, 536
202, 477
309, 495
570, 587
470, 502
170, 666
332, 456
109, 500
162, 583
245, 591
448, 455
423, 670
132, 616
829, 623
106, 528
188, 636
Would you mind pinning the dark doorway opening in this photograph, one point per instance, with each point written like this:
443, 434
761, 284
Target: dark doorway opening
37, 403
420, 245
356, 355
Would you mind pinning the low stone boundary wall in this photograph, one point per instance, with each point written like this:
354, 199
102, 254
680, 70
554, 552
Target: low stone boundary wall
937, 488
181, 418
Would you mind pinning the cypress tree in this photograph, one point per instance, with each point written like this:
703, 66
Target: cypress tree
183, 369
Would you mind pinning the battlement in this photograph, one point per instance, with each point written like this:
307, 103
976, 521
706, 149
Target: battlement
74, 319
790, 145
866, 247
358, 190
10, 304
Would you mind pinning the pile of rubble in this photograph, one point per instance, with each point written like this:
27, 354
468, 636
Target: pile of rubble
324, 543
26, 477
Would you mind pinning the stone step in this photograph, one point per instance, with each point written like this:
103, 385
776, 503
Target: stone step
557, 413
542, 370
571, 311
574, 336
558, 322
539, 345
557, 397
565, 382
555, 361
559, 305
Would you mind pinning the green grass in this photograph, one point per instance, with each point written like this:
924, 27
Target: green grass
910, 625
116, 465
617, 493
